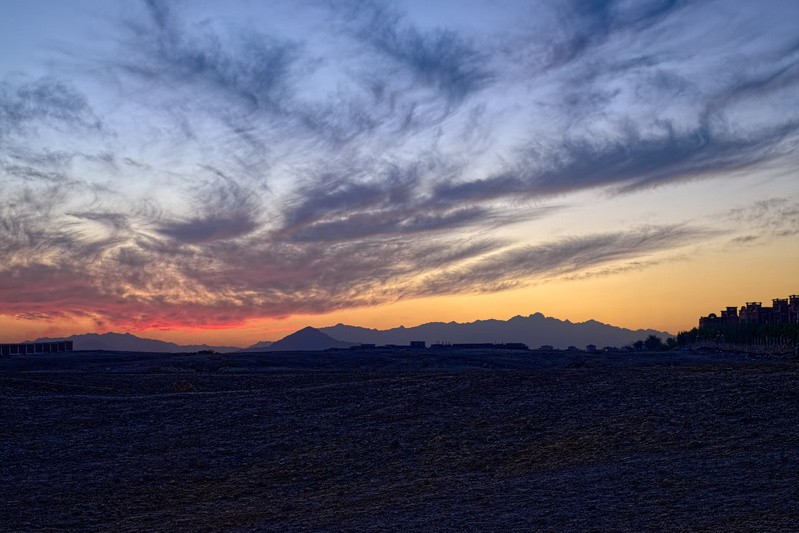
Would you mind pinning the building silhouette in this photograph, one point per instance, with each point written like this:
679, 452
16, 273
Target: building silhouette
35, 348
782, 311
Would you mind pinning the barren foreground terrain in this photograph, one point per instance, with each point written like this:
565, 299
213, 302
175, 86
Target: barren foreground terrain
387, 441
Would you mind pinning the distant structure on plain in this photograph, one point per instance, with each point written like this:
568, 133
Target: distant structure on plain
782, 311
35, 347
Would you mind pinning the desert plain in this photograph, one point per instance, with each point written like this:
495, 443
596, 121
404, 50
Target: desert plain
399, 440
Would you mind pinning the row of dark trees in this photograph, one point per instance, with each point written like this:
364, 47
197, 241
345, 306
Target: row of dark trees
745, 334
741, 334
653, 343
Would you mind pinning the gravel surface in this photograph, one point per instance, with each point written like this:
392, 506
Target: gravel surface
491, 441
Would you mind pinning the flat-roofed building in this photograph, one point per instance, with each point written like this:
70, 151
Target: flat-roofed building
35, 348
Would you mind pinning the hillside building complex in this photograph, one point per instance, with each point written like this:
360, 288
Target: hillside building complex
782, 311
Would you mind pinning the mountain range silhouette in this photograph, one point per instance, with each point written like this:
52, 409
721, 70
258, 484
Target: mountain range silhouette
534, 330
126, 342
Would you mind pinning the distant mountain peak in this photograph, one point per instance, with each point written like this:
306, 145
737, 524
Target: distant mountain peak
307, 331
127, 342
307, 339
260, 346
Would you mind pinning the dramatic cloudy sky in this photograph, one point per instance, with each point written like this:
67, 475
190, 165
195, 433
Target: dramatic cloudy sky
230, 171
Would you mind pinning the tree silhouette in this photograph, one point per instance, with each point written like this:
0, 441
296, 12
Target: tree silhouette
653, 342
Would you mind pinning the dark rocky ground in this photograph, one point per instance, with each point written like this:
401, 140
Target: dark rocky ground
454, 441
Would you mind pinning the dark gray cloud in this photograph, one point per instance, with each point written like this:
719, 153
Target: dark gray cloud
521, 265
254, 70
630, 162
775, 217
392, 222
585, 25
45, 101
744, 240
441, 58
222, 209
334, 194
634, 265
206, 228
356, 201
31, 173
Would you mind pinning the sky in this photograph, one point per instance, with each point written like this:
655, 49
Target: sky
231, 172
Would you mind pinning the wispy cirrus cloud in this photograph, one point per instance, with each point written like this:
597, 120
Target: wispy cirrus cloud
253, 70
521, 265
41, 102
586, 25
205, 171
774, 217
628, 162
441, 59
222, 208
